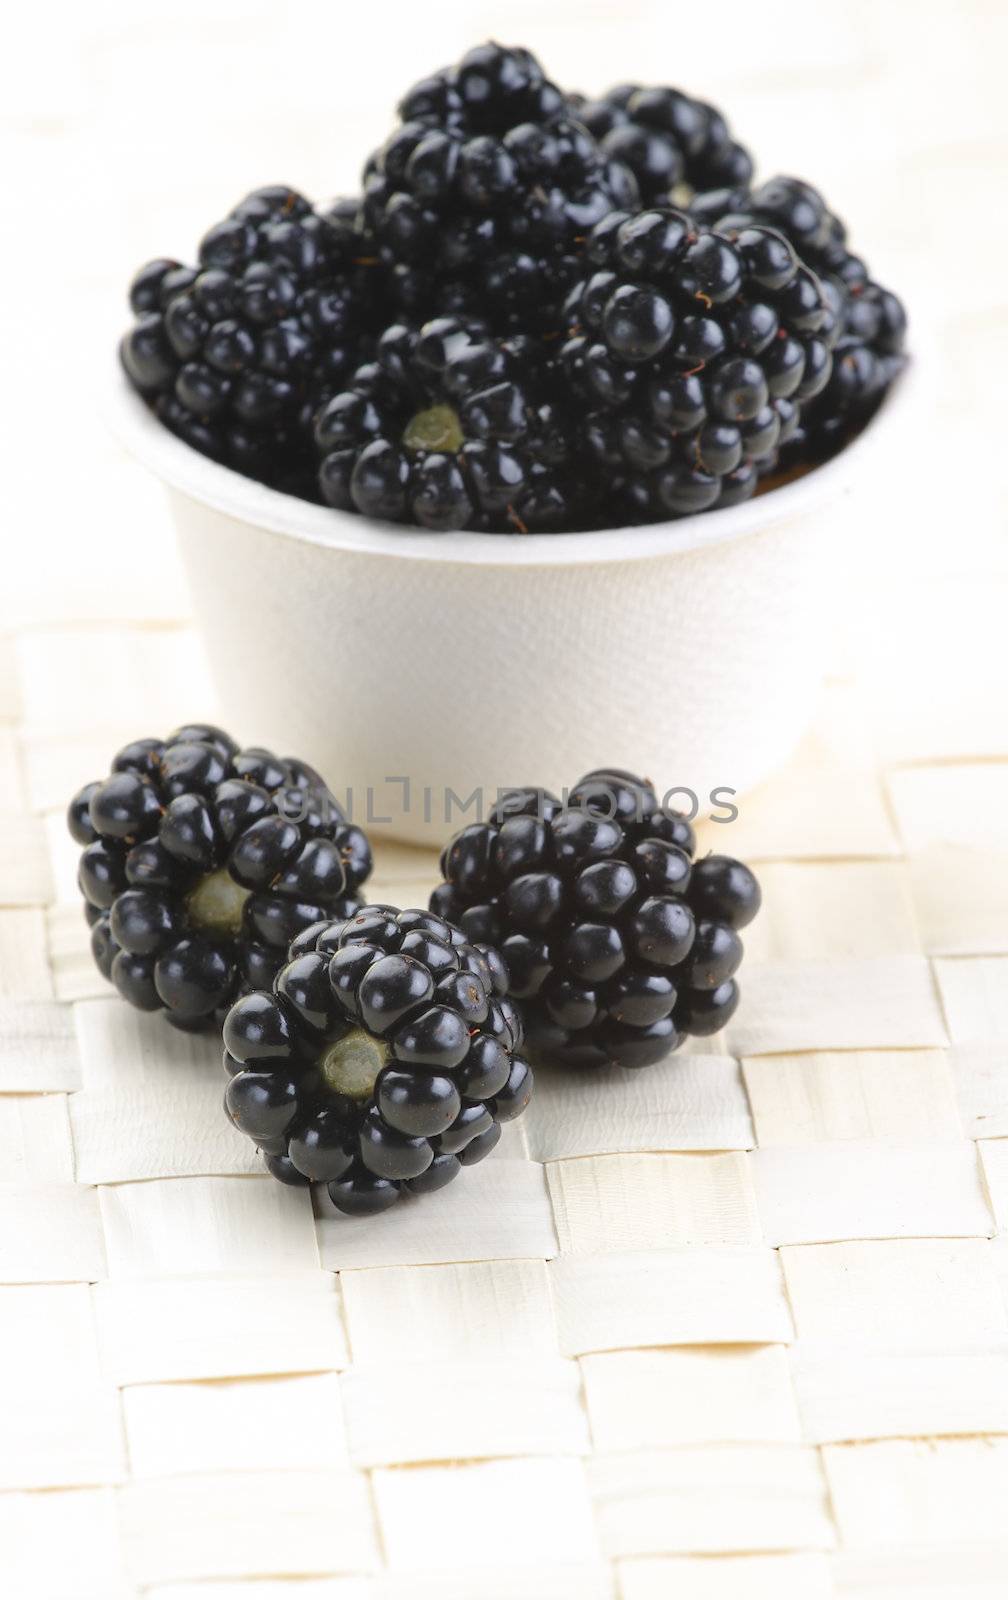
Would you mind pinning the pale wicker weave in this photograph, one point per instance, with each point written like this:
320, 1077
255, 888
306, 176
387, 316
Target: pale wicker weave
735, 1327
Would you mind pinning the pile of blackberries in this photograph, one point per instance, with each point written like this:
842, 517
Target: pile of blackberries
375, 1050
637, 331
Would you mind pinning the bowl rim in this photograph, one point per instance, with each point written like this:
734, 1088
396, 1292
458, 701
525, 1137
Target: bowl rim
223, 490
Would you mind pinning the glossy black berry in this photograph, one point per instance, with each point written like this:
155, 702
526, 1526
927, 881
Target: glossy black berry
690, 351
706, 1011
451, 429
383, 1060
636, 322
236, 353
361, 1193
200, 864
661, 929
480, 197
618, 944
666, 139
868, 321
319, 1148
715, 955
726, 890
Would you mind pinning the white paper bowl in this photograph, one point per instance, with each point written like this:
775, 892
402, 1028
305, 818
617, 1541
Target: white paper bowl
691, 651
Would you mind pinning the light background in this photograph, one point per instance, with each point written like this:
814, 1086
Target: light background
738, 1326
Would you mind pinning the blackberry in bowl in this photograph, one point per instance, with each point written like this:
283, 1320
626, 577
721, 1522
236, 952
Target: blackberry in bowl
870, 321
383, 1060
200, 864
618, 944
236, 353
485, 187
451, 429
669, 141
694, 352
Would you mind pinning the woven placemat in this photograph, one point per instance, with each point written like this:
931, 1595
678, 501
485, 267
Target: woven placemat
735, 1326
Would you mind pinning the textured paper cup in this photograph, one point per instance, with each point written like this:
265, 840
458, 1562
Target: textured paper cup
418, 669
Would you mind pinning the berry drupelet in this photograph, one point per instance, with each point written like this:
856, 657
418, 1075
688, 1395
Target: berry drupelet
384, 1059
485, 189
201, 862
870, 321
451, 429
236, 353
668, 140
618, 945
694, 351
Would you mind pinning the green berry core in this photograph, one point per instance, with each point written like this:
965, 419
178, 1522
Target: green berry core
216, 903
436, 429
351, 1065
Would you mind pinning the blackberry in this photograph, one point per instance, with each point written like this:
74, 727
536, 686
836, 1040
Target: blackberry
493, 88
384, 1059
667, 139
694, 352
486, 188
617, 943
450, 429
870, 320
200, 864
236, 353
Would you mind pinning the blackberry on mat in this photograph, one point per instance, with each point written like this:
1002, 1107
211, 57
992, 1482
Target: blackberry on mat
487, 182
383, 1061
201, 862
617, 943
667, 139
236, 353
451, 429
695, 352
870, 320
